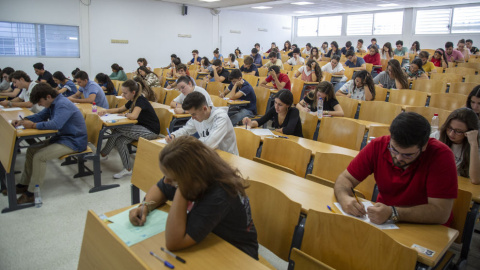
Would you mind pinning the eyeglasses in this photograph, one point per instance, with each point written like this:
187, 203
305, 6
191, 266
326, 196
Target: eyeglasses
394, 152
456, 131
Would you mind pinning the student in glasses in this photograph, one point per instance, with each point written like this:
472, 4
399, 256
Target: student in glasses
460, 133
416, 175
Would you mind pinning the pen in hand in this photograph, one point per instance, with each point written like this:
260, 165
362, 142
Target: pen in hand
355, 195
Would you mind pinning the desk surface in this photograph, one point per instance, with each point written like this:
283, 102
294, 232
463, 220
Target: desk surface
15, 115
211, 253
316, 196
237, 102
316, 146
465, 184
175, 115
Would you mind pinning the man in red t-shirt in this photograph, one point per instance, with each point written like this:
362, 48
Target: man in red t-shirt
416, 176
280, 80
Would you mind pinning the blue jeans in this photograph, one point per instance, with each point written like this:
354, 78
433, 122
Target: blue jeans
240, 115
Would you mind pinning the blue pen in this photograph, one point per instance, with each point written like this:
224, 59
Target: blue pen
169, 132
167, 264
329, 208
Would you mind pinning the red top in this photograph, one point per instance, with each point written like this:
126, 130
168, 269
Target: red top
281, 78
374, 60
433, 174
436, 62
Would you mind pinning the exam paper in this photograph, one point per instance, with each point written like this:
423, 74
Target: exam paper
162, 141
262, 132
110, 117
389, 225
11, 109
130, 234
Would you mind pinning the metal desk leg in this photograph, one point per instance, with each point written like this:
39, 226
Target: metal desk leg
135, 193
468, 232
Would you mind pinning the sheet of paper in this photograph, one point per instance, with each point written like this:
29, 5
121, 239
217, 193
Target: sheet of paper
389, 225
171, 110
262, 132
130, 234
11, 109
109, 117
119, 97
17, 127
1, 107
162, 141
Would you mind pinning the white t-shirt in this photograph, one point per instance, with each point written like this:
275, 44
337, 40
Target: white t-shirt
338, 68
294, 62
306, 52
181, 97
303, 69
235, 63
25, 95
350, 88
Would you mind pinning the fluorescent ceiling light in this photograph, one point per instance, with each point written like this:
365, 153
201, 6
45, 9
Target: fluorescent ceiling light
209, 1
388, 5
301, 12
261, 7
302, 3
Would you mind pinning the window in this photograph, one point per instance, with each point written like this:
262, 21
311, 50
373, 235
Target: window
466, 20
307, 27
330, 26
359, 24
28, 39
433, 21
388, 23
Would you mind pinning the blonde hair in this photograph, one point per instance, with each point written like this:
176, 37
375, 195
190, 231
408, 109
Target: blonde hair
133, 86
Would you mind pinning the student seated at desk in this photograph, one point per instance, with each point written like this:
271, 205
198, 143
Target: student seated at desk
22, 81
10, 89
311, 72
415, 71
196, 58
147, 92
217, 55
118, 73
90, 90
240, 89
460, 133
148, 126
43, 75
219, 74
171, 65
106, 84
65, 86
361, 87
393, 77
205, 65
315, 54
182, 70
257, 57
186, 87
280, 81
426, 65
232, 61
286, 119
296, 58
473, 101
152, 79
416, 176
213, 187
274, 60
59, 114
354, 62
439, 58
248, 67
212, 124
325, 91
373, 57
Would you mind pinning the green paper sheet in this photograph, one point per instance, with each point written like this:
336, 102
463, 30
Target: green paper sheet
130, 234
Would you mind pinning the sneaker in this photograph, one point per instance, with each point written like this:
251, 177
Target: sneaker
121, 174
24, 198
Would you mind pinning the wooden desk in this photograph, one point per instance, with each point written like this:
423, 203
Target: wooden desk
200, 75
309, 194
465, 184
11, 138
237, 102
178, 120
103, 249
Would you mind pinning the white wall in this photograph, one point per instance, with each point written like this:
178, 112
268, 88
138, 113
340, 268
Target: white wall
408, 37
248, 24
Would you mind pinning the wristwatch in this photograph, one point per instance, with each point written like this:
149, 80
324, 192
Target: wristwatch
394, 216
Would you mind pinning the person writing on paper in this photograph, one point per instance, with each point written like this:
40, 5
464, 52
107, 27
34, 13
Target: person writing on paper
460, 133
416, 175
212, 186
285, 118
325, 91
148, 126
90, 90
22, 81
186, 86
181, 71
240, 89
59, 114
212, 124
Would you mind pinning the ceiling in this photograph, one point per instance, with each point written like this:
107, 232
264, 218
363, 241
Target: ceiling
284, 7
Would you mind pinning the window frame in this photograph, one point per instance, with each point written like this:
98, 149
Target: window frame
38, 42
452, 13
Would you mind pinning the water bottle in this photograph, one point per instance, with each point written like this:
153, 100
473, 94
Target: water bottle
94, 107
38, 198
434, 123
320, 108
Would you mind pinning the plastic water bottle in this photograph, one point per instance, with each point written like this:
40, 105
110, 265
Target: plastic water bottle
38, 198
320, 108
94, 107
434, 122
